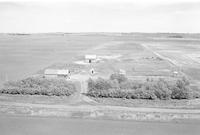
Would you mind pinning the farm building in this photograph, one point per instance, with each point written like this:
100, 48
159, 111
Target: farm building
56, 73
90, 58
122, 72
175, 73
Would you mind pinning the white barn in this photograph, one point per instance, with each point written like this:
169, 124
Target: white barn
56, 73
90, 58
122, 71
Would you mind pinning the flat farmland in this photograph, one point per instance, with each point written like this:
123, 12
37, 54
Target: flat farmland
24, 55
140, 54
183, 54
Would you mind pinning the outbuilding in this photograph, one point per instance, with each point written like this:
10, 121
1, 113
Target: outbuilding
56, 73
90, 58
175, 73
122, 71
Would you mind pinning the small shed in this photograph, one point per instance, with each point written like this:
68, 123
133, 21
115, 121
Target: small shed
63, 73
175, 73
90, 58
56, 73
122, 71
50, 73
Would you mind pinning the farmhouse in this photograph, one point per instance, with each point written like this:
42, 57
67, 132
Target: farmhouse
56, 73
90, 58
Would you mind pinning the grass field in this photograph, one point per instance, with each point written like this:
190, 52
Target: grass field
142, 54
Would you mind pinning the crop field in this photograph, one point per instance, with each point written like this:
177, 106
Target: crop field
141, 55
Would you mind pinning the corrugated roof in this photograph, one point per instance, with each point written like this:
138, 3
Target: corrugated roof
122, 71
50, 72
56, 72
63, 72
90, 56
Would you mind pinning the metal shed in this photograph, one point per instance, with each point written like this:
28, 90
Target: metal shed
56, 72
90, 58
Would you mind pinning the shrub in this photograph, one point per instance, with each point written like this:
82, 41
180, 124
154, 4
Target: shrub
181, 90
186, 81
144, 94
162, 90
184, 93
129, 89
102, 84
114, 84
39, 86
130, 85
91, 84
119, 77
196, 94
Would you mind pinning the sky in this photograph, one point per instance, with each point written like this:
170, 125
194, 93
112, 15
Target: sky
38, 16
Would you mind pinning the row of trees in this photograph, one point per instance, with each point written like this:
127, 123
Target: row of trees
39, 86
118, 86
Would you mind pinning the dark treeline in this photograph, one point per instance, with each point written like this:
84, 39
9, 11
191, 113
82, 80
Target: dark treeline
39, 86
118, 86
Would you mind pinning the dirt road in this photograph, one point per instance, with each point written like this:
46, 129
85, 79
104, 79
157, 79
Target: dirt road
172, 62
79, 96
84, 109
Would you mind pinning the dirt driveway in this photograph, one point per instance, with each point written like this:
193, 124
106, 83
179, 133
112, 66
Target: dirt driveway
79, 96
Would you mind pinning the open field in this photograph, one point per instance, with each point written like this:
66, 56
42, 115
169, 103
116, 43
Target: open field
24, 55
141, 54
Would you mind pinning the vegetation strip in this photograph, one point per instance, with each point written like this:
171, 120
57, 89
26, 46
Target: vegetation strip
40, 86
119, 86
95, 112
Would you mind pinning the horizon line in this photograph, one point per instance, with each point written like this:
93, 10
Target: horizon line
98, 32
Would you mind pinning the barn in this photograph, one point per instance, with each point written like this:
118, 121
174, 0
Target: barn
56, 73
90, 58
122, 71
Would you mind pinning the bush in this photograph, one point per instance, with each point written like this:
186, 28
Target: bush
181, 90
184, 93
119, 77
102, 84
162, 90
144, 94
124, 88
91, 84
196, 94
39, 86
130, 85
